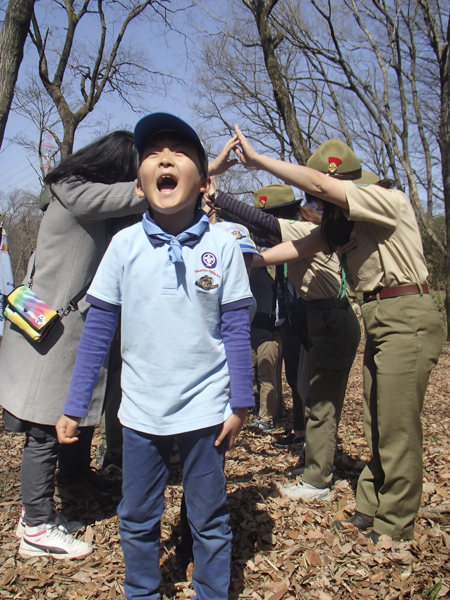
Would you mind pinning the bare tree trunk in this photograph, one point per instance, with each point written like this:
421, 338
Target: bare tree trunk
444, 143
12, 39
103, 72
440, 44
261, 10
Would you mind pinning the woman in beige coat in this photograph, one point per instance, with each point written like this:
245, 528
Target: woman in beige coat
92, 196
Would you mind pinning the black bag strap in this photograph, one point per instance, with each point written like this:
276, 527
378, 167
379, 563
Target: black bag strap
71, 305
33, 269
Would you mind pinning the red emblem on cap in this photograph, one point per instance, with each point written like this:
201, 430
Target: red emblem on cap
262, 201
333, 164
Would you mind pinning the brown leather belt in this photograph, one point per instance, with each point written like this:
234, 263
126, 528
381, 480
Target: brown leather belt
394, 292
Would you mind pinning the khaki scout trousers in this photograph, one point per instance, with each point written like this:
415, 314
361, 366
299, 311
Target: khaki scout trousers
267, 377
404, 341
333, 338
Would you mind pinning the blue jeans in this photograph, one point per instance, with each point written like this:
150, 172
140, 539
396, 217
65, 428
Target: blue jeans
146, 466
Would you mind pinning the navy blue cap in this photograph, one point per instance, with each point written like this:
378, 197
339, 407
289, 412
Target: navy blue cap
158, 122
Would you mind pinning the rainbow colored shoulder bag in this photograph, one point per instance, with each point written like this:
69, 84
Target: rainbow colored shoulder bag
32, 315
29, 313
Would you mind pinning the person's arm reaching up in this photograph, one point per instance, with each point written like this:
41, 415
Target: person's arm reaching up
309, 180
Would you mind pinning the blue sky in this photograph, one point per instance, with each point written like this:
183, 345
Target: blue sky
166, 51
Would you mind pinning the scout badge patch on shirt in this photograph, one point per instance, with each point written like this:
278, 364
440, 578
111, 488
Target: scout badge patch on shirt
209, 260
206, 283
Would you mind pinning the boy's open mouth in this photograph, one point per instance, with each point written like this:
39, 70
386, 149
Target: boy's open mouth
166, 183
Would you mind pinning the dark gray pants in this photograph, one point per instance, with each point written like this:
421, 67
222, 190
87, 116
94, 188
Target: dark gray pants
38, 475
334, 335
38, 468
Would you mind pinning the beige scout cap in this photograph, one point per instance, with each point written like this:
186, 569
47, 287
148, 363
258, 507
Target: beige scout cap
276, 195
336, 159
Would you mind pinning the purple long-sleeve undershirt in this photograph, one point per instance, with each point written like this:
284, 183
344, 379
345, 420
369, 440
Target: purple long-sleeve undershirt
99, 331
259, 223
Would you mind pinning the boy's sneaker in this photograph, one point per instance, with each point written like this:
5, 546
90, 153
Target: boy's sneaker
305, 491
57, 519
49, 539
262, 426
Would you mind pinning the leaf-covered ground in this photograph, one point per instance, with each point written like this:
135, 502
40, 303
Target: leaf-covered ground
281, 549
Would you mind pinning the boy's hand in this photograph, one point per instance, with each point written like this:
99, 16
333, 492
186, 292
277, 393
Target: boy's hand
232, 427
222, 162
67, 429
246, 153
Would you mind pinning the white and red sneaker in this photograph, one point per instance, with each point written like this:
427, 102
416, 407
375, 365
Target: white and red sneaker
57, 519
53, 540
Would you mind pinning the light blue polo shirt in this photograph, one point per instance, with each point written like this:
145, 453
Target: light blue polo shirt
174, 374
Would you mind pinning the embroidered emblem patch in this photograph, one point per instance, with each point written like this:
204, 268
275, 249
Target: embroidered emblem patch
262, 201
209, 260
205, 283
237, 234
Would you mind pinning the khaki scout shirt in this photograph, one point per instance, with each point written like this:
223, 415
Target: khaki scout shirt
316, 277
387, 245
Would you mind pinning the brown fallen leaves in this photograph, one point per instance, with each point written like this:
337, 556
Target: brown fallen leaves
281, 549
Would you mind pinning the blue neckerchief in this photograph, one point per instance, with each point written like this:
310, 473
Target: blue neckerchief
189, 237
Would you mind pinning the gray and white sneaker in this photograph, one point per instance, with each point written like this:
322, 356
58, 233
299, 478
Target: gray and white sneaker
57, 519
305, 491
53, 540
261, 425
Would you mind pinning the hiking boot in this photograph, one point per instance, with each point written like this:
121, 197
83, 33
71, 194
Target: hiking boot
262, 426
298, 470
53, 540
57, 519
358, 520
289, 439
305, 491
373, 536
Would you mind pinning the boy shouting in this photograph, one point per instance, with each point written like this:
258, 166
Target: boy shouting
182, 292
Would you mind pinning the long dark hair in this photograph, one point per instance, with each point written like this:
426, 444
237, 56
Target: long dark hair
336, 228
110, 159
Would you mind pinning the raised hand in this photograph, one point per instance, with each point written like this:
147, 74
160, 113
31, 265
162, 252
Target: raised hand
222, 162
246, 153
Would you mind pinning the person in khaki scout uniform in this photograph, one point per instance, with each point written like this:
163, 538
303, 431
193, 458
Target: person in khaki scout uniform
376, 234
333, 337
